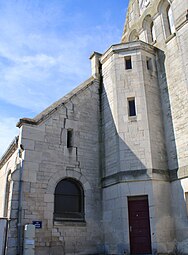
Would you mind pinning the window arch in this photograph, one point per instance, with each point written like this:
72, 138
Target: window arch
7, 195
153, 35
133, 36
69, 200
149, 29
167, 17
170, 20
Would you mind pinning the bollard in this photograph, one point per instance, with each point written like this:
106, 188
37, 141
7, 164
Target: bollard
29, 240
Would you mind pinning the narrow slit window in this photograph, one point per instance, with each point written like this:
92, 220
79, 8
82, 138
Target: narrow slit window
69, 138
7, 195
132, 107
186, 201
128, 63
149, 63
170, 20
153, 35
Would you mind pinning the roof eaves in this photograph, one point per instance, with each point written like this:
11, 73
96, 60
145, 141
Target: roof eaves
9, 152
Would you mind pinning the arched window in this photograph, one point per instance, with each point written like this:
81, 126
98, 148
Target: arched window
69, 200
7, 195
133, 36
170, 20
148, 27
167, 17
153, 35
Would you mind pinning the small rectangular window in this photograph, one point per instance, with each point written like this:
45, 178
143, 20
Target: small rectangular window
132, 107
149, 63
69, 138
128, 63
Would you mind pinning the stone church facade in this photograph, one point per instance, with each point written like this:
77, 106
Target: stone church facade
104, 170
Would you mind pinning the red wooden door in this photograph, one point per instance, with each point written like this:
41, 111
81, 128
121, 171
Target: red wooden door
139, 225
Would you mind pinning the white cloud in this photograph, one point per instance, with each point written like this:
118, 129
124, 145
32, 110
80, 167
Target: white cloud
33, 81
44, 54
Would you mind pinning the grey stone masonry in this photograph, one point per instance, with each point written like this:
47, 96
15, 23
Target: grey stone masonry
132, 142
167, 22
121, 137
47, 160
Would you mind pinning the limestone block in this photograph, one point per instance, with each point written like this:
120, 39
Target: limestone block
28, 144
49, 198
30, 165
33, 156
58, 250
48, 215
33, 133
50, 206
32, 176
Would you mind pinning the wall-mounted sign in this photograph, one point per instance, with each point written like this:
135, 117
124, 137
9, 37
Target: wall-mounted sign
38, 224
29, 241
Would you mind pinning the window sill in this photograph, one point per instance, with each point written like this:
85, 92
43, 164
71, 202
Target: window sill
70, 223
153, 42
170, 37
132, 118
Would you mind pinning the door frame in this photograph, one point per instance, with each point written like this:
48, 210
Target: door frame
139, 198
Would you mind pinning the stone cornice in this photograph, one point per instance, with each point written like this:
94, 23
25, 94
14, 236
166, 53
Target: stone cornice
126, 47
95, 53
183, 20
178, 174
145, 175
123, 176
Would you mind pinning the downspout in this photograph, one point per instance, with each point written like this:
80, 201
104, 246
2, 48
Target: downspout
19, 225
6, 235
101, 147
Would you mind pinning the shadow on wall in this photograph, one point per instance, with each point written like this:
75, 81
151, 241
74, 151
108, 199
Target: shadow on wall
178, 176
116, 154
119, 163
180, 214
167, 114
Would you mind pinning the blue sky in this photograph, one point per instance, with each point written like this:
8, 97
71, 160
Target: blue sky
44, 52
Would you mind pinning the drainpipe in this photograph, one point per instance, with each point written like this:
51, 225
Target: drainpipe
6, 235
19, 225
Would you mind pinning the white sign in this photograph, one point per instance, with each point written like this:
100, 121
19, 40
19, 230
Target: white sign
29, 241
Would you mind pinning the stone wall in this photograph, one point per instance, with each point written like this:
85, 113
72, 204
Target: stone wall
48, 160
